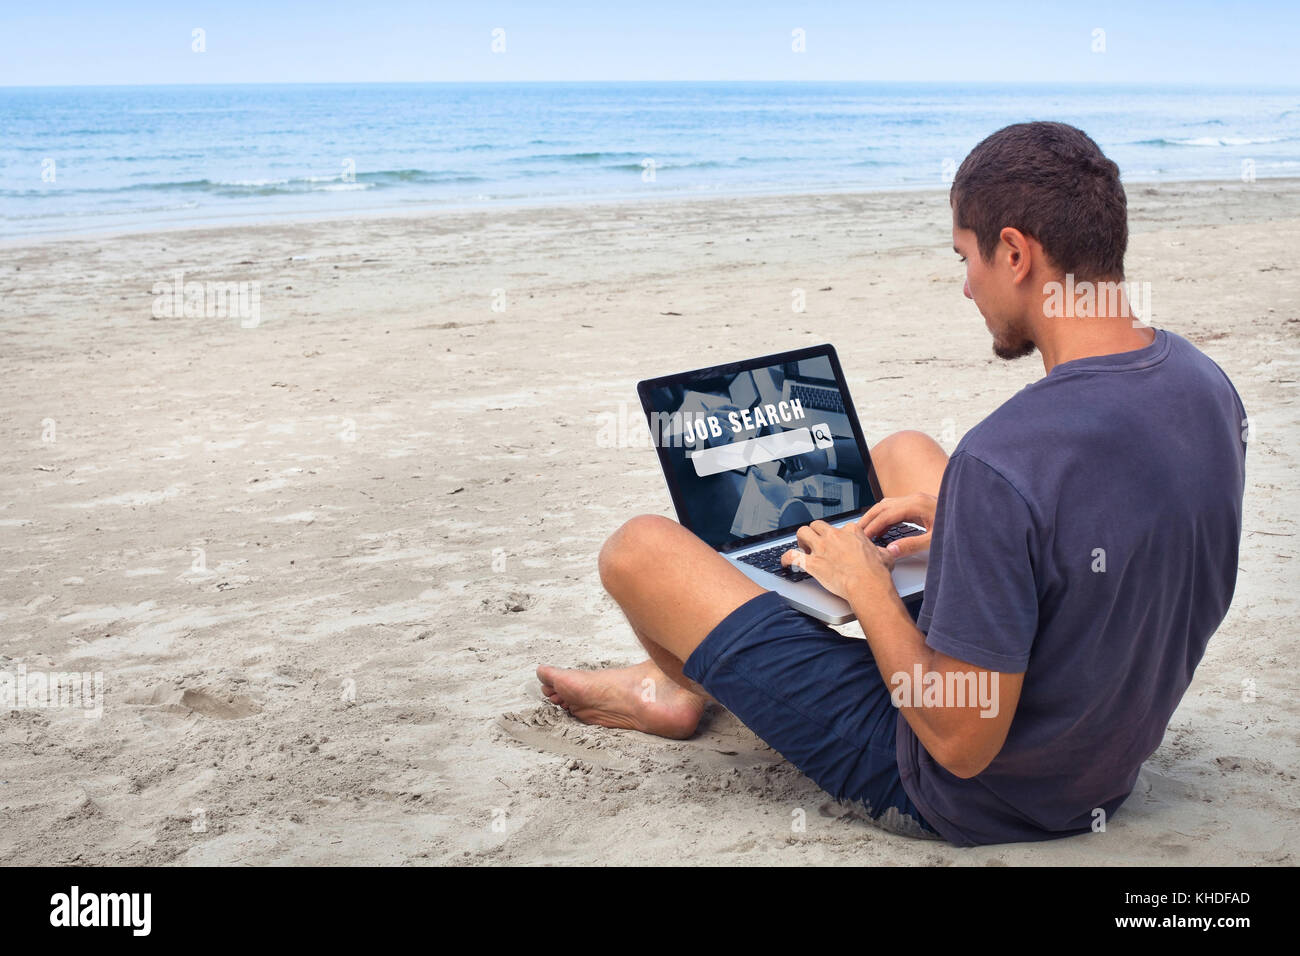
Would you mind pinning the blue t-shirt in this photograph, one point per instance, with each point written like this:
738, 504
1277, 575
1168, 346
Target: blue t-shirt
1086, 535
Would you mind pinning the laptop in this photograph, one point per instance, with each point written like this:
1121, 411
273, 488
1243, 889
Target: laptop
754, 450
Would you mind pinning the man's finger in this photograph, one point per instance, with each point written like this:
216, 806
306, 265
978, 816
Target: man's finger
875, 521
913, 545
802, 562
794, 558
806, 537
875, 510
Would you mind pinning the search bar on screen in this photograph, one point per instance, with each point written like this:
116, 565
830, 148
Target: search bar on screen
754, 451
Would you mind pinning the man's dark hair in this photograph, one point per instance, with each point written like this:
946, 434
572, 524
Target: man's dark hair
1052, 182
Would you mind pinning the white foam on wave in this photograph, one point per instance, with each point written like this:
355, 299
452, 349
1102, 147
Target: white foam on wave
250, 182
1225, 141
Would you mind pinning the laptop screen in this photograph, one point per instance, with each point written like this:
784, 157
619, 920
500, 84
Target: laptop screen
759, 448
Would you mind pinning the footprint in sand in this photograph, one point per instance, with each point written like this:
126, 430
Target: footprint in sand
197, 700
722, 741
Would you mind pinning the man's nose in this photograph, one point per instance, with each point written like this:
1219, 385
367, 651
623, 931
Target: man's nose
965, 289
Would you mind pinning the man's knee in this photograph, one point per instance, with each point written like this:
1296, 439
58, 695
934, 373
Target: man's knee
908, 462
630, 552
904, 444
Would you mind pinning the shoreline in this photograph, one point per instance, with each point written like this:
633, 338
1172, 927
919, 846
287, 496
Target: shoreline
433, 211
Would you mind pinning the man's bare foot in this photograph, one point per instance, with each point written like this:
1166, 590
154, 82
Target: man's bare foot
633, 698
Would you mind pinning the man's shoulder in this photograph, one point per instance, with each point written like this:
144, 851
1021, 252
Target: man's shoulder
1022, 439
1191, 355
1082, 401
1009, 434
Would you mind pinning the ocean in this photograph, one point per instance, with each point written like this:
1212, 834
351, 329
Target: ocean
95, 159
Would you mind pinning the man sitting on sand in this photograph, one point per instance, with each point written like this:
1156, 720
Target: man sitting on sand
1083, 549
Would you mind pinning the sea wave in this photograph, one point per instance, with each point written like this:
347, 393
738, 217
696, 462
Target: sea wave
82, 214
1209, 141
700, 164
266, 186
587, 158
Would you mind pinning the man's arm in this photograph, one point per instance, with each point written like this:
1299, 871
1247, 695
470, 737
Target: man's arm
929, 684
969, 725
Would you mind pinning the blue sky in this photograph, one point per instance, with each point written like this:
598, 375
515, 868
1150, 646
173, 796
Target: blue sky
72, 42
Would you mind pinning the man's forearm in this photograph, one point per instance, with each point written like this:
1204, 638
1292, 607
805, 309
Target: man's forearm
898, 647
953, 707
896, 642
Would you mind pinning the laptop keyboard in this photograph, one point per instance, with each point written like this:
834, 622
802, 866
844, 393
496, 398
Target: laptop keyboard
823, 399
769, 559
894, 532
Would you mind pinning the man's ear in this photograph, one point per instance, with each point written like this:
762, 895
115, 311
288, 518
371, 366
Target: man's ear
1020, 254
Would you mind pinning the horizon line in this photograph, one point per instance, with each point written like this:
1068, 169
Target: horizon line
1030, 83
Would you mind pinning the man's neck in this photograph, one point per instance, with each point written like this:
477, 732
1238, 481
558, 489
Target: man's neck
1100, 328
1104, 337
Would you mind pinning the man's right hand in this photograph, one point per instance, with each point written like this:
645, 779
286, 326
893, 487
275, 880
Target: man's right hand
918, 508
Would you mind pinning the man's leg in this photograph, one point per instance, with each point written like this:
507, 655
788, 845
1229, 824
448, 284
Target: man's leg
908, 463
675, 589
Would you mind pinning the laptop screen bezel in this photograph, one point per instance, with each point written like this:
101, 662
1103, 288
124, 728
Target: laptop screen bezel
645, 387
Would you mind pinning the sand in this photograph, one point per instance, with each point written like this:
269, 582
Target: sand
316, 561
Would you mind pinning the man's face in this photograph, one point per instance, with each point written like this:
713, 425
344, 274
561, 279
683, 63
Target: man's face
991, 287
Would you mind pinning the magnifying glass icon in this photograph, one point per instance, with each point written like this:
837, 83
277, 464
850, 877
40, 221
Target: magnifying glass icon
822, 436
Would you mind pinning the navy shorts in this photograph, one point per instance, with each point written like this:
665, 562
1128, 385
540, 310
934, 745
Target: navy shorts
815, 697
